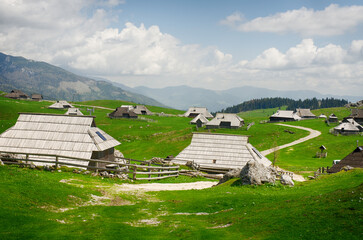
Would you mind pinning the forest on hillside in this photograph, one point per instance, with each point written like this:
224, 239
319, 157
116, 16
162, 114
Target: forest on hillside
264, 103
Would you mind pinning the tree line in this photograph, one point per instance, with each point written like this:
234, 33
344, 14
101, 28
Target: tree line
264, 103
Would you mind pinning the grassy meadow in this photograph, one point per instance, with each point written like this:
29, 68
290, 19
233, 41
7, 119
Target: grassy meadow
36, 204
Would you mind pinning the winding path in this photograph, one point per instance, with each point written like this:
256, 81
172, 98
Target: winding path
313, 134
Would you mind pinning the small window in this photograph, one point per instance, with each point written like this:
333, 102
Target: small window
214, 161
101, 136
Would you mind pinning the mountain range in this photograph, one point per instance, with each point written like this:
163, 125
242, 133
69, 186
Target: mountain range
55, 83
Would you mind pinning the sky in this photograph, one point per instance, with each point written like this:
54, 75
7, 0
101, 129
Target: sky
280, 44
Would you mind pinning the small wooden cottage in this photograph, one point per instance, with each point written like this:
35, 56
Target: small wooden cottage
195, 111
305, 113
74, 111
61, 105
123, 112
225, 120
354, 159
220, 151
357, 115
348, 127
37, 97
322, 116
284, 116
16, 94
142, 110
333, 118
199, 121
65, 135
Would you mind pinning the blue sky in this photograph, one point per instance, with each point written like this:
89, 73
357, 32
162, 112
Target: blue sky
282, 45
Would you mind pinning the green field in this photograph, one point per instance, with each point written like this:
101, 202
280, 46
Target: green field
36, 204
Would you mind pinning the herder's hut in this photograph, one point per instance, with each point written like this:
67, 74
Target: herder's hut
357, 115
333, 118
220, 151
322, 116
225, 120
305, 113
142, 110
195, 111
348, 127
122, 112
16, 94
199, 120
64, 135
284, 116
37, 97
74, 111
354, 159
60, 105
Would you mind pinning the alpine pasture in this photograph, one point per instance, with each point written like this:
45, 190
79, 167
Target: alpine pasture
37, 204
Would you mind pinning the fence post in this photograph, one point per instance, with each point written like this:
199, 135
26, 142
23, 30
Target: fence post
134, 173
149, 170
26, 158
56, 162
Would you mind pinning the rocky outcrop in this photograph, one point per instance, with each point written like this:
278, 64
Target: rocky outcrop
235, 173
255, 173
286, 180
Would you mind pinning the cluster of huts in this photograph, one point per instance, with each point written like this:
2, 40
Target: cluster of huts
18, 94
202, 117
130, 111
353, 124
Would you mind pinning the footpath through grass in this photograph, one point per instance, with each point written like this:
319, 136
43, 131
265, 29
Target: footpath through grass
43, 205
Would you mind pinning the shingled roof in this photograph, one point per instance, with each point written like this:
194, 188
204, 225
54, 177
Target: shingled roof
195, 111
66, 135
304, 113
220, 150
354, 159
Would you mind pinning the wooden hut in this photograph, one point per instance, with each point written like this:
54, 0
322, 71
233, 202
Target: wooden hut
333, 118
357, 115
142, 110
220, 151
225, 120
123, 112
37, 97
74, 111
199, 121
195, 111
323, 116
65, 135
284, 116
16, 94
354, 159
61, 105
305, 113
348, 127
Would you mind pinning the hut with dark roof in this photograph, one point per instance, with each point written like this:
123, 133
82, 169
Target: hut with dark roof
354, 159
16, 94
123, 112
62, 135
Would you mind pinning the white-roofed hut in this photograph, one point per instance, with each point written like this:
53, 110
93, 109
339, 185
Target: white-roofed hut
284, 116
61, 105
333, 118
305, 113
225, 120
199, 121
323, 116
220, 151
74, 111
348, 127
195, 111
63, 135
142, 110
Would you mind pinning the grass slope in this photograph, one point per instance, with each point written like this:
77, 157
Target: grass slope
38, 205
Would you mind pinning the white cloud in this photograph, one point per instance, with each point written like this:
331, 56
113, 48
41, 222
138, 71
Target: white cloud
333, 20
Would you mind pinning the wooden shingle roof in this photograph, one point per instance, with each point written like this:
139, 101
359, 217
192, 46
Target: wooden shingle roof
354, 159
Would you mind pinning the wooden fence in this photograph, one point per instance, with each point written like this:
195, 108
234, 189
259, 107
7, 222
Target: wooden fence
135, 171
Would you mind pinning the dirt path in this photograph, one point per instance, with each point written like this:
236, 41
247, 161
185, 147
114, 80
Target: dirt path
151, 187
313, 134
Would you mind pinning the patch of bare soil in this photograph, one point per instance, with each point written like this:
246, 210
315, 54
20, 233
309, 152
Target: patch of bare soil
152, 187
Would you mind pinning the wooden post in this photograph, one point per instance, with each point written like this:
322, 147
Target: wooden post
26, 158
149, 170
134, 173
56, 162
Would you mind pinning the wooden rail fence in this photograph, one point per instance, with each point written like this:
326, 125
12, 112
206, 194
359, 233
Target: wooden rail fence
135, 171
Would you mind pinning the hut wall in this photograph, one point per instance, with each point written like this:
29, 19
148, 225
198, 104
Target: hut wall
107, 155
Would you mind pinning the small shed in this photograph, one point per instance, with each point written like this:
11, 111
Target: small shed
65, 135
123, 112
37, 97
74, 111
284, 116
348, 127
61, 105
16, 94
323, 116
225, 120
222, 151
305, 113
199, 120
195, 111
354, 159
333, 118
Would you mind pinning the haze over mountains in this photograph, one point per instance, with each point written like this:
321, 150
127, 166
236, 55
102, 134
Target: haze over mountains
58, 84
